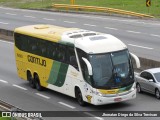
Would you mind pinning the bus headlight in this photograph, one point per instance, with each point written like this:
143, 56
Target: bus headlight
133, 87
96, 92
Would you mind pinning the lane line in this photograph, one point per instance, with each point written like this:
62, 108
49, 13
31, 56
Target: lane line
111, 28
155, 35
62, 103
4, 23
90, 25
44, 96
69, 22
6, 42
49, 19
29, 16
99, 118
133, 32
141, 46
3, 81
17, 86
11, 14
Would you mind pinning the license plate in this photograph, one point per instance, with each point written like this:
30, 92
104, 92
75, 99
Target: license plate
118, 99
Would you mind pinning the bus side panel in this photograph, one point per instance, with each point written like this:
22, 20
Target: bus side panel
20, 63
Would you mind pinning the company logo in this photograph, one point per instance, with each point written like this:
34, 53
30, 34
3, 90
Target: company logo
36, 60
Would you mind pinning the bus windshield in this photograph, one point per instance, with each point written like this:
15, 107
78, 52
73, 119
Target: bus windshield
112, 70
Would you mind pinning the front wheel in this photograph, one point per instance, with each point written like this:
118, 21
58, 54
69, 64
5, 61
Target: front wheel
79, 97
157, 94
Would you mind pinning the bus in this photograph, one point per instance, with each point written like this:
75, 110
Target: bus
92, 67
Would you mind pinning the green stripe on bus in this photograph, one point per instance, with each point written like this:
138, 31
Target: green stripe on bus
58, 74
54, 72
62, 75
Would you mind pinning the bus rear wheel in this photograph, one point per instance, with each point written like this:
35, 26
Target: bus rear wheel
37, 82
79, 97
31, 80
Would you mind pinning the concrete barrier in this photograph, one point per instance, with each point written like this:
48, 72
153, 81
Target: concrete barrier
6, 34
145, 63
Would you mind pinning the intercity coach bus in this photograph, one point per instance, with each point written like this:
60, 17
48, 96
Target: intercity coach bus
92, 67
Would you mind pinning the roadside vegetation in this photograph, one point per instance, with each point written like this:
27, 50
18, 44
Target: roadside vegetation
131, 5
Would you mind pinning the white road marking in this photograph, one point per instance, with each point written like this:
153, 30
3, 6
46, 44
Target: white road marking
155, 35
133, 31
141, 46
90, 25
99, 118
66, 105
44, 96
111, 28
49, 19
17, 86
6, 42
4, 23
84, 16
69, 22
29, 16
3, 81
11, 14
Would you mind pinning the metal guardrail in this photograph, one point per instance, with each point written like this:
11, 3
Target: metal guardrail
103, 9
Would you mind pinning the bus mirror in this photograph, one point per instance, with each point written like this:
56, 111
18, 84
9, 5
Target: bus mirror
137, 61
88, 65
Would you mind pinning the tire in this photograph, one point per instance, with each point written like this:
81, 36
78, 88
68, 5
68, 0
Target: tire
31, 80
139, 90
157, 94
37, 83
79, 97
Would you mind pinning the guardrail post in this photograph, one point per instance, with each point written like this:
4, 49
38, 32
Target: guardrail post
72, 2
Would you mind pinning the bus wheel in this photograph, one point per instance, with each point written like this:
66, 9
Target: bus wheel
79, 97
31, 80
37, 82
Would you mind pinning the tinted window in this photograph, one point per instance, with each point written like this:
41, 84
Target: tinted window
71, 57
83, 65
46, 48
147, 75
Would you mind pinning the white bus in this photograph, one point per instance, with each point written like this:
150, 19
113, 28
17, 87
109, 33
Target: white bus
89, 66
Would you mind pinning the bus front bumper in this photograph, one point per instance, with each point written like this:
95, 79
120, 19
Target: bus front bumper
102, 100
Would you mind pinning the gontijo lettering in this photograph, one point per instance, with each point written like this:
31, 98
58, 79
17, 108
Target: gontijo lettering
36, 60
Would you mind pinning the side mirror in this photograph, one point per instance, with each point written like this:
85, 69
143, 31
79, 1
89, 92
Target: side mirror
88, 66
137, 61
150, 80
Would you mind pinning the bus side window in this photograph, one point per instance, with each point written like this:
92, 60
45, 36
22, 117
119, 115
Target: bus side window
61, 53
42, 48
71, 57
52, 50
83, 65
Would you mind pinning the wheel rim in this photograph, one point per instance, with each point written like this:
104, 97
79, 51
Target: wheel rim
157, 94
138, 88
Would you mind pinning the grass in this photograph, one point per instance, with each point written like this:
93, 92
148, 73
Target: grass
131, 5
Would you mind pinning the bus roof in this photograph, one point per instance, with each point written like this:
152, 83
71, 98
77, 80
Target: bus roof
89, 41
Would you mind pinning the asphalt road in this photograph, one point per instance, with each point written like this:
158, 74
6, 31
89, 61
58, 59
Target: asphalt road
17, 92
141, 36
